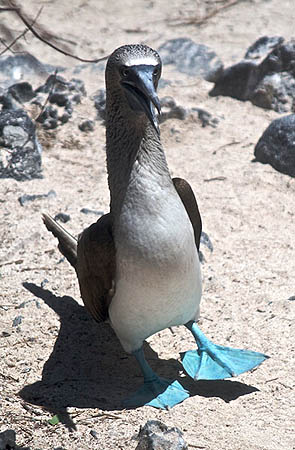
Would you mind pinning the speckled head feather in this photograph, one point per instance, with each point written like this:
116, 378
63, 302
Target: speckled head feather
134, 54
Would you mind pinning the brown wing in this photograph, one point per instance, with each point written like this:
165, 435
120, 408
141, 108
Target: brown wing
188, 198
96, 266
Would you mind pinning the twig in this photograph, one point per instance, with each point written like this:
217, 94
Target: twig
220, 178
48, 96
17, 10
272, 379
16, 261
102, 415
199, 21
8, 47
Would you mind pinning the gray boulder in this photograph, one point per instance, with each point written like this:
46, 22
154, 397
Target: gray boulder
20, 150
191, 58
277, 145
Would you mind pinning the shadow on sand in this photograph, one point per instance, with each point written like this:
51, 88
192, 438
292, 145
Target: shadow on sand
88, 368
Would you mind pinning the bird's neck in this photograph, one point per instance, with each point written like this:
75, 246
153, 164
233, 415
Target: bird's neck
133, 146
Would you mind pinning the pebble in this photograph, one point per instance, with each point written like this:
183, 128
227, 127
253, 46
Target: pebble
205, 240
100, 103
87, 125
62, 217
5, 334
91, 211
94, 434
155, 435
25, 198
17, 321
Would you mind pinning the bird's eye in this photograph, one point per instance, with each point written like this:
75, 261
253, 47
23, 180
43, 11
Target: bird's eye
125, 72
156, 72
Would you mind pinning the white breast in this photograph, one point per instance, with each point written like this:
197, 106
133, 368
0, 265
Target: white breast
158, 280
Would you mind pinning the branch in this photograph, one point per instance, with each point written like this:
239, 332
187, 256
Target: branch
30, 27
9, 47
198, 21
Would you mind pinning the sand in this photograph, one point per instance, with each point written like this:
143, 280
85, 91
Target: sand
58, 360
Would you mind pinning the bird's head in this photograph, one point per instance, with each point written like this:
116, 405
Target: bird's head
136, 70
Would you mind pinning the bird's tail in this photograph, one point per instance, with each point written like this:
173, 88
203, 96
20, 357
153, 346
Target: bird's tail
67, 244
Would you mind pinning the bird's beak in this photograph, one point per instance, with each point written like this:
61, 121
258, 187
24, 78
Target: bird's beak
141, 92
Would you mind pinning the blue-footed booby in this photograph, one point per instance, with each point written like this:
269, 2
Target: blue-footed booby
138, 265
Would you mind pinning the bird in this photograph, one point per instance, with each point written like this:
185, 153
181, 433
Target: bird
138, 265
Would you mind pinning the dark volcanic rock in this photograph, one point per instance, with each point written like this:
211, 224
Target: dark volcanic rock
191, 58
155, 435
263, 46
19, 66
22, 92
25, 198
7, 440
275, 91
277, 145
100, 103
238, 81
62, 217
86, 125
20, 151
270, 83
171, 111
62, 93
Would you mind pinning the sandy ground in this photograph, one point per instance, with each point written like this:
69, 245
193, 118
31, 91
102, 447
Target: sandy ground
57, 360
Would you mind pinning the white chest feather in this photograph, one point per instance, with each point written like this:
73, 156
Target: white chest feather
158, 281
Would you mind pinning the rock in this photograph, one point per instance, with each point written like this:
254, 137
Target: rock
62, 217
205, 240
191, 58
270, 83
155, 435
238, 81
263, 46
86, 125
19, 66
94, 434
50, 124
5, 334
7, 440
22, 92
8, 101
23, 199
91, 211
64, 118
206, 118
56, 83
277, 145
100, 103
20, 151
58, 98
17, 321
275, 91
62, 93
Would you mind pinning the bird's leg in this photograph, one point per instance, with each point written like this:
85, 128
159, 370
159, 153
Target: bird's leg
215, 362
157, 392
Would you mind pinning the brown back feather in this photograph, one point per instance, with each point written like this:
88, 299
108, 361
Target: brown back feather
96, 267
188, 198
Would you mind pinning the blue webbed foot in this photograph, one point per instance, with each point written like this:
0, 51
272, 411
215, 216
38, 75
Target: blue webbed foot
215, 362
157, 392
